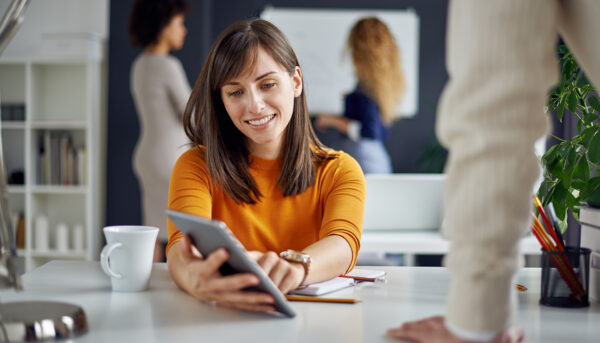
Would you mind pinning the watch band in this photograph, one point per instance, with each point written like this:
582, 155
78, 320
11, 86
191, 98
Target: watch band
294, 256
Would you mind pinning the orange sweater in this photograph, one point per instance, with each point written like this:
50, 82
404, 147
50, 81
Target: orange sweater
334, 205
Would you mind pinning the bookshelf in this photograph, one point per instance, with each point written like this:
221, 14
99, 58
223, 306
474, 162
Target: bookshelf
51, 135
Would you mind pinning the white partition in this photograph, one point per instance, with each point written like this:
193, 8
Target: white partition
403, 201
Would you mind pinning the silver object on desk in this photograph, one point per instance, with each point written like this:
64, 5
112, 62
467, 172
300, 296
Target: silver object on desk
26, 320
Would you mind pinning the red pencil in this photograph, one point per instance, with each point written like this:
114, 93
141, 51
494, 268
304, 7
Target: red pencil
540, 209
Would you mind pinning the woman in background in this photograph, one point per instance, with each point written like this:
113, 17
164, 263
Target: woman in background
160, 90
369, 109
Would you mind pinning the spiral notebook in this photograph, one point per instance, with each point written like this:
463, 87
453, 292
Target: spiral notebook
325, 287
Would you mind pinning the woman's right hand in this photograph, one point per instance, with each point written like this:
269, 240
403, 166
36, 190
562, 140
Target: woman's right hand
200, 277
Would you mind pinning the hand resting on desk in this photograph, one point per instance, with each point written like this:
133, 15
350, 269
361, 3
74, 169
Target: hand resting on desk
200, 277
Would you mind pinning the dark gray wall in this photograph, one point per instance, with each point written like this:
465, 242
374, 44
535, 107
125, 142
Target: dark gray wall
409, 140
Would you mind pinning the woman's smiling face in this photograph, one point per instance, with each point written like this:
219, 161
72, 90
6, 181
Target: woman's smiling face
260, 103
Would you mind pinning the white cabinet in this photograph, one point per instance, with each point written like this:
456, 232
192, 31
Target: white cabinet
51, 133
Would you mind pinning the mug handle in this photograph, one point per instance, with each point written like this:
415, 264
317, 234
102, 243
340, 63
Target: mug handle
104, 255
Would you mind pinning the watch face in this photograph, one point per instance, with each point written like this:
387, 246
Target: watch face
292, 255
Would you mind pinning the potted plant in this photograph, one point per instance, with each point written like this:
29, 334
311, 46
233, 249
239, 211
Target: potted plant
570, 167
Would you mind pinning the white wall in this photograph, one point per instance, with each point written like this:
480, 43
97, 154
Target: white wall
56, 16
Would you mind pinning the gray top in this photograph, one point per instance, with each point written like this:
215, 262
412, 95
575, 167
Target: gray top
160, 90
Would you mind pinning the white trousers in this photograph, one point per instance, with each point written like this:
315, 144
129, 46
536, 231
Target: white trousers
501, 59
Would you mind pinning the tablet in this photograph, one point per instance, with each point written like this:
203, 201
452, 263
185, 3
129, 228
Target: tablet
210, 235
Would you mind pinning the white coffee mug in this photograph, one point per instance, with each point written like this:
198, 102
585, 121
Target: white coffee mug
127, 256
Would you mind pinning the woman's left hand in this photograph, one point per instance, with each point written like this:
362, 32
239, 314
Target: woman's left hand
286, 276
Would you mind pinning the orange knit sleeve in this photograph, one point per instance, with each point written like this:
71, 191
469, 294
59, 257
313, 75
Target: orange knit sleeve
345, 203
189, 190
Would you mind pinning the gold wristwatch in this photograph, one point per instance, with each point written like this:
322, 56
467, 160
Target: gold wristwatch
294, 256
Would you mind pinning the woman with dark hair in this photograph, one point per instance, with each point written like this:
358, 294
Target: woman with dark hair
160, 90
369, 109
258, 166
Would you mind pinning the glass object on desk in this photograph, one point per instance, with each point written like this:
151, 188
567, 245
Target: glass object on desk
565, 277
33, 320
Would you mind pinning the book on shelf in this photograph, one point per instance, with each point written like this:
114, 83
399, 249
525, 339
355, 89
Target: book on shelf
81, 162
60, 162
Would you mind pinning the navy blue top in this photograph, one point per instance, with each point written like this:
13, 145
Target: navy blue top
358, 106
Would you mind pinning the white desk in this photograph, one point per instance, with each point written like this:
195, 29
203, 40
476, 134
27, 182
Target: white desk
421, 242
166, 314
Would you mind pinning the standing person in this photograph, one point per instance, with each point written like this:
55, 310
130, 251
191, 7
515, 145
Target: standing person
160, 90
258, 166
369, 109
502, 62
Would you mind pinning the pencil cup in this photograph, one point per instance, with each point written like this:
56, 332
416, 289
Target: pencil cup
565, 277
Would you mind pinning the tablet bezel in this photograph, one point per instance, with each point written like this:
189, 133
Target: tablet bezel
210, 235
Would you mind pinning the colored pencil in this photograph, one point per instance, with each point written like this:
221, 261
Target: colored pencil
540, 209
324, 300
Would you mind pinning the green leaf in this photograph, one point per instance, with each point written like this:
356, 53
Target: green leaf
563, 225
563, 149
594, 103
562, 49
571, 201
560, 111
587, 135
582, 81
588, 118
551, 154
579, 185
543, 190
592, 185
567, 71
569, 166
548, 198
572, 102
559, 208
571, 156
582, 171
556, 168
560, 192
579, 125
594, 148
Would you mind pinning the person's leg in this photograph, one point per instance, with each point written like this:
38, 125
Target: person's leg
502, 62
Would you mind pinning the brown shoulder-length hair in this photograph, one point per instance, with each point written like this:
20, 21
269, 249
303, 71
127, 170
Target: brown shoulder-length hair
207, 123
377, 64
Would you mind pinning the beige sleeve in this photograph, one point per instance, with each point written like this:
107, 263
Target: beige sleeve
501, 61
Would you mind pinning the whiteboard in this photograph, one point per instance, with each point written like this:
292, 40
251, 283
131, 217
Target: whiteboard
319, 40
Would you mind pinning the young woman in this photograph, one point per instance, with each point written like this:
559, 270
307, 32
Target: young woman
369, 109
160, 90
258, 166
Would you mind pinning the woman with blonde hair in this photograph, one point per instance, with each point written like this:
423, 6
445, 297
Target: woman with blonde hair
369, 109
